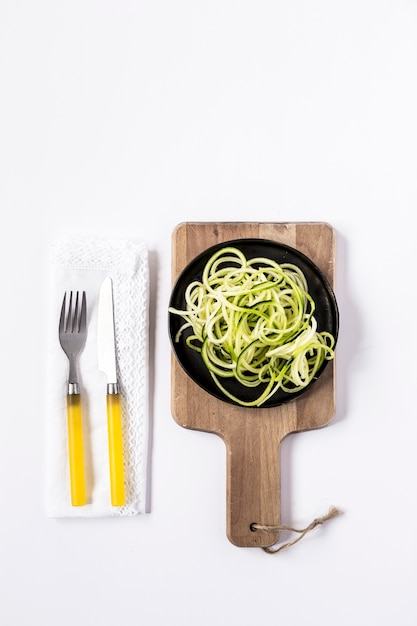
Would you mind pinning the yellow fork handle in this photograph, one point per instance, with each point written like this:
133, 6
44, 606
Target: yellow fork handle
114, 424
76, 450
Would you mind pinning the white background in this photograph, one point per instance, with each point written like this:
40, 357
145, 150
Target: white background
123, 118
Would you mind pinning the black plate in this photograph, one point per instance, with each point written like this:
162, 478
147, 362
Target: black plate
326, 314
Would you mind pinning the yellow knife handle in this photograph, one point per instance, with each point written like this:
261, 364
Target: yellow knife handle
76, 450
114, 424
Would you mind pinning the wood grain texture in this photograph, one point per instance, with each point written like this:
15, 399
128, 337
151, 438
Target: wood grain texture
252, 435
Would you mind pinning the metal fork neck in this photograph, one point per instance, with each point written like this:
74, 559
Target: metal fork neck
73, 389
73, 373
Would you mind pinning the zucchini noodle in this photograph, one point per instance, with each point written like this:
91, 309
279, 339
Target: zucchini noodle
253, 320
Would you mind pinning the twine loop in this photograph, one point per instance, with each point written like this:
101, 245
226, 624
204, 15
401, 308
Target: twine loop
333, 512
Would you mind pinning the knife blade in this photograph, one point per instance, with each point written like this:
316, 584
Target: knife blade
106, 352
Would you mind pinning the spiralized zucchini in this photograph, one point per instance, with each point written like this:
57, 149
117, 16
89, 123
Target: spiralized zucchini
254, 320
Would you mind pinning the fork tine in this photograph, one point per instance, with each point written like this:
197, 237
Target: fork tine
72, 315
62, 316
83, 315
74, 320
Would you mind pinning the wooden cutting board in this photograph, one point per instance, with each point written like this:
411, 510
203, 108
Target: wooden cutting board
252, 435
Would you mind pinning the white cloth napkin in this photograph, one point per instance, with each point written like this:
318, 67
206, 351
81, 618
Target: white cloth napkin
82, 265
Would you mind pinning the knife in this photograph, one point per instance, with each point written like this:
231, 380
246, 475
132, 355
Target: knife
106, 352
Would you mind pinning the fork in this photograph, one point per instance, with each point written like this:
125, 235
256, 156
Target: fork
72, 337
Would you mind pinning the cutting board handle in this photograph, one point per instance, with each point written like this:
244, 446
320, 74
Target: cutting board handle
253, 482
